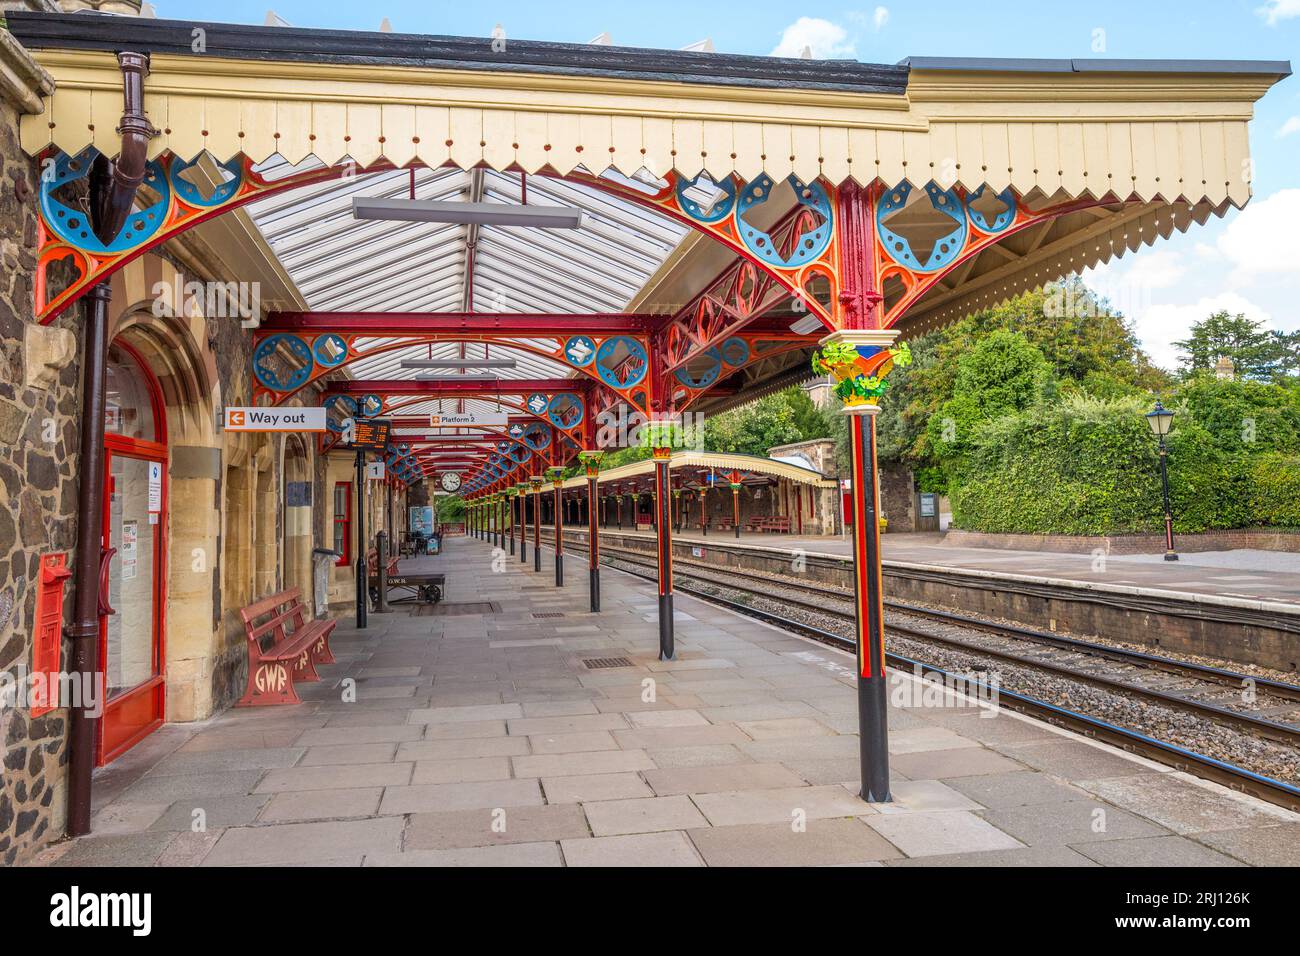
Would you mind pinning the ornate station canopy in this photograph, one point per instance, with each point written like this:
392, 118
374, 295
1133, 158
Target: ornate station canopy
712, 188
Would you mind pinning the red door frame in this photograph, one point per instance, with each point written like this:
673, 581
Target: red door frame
135, 714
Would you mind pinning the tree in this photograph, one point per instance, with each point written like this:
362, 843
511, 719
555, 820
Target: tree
757, 426
1256, 352
1001, 374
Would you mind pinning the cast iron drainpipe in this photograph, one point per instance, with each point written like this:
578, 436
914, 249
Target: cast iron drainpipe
114, 183
113, 189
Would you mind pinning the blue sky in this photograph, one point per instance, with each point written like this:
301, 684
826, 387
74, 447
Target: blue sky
1245, 263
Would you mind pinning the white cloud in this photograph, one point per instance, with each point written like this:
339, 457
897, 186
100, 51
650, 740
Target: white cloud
1275, 11
880, 18
1252, 267
1160, 326
825, 39
1261, 239
1292, 125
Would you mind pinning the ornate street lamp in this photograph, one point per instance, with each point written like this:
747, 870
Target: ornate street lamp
1161, 420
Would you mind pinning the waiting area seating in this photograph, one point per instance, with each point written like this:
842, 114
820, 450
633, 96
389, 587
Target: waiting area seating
778, 525
283, 648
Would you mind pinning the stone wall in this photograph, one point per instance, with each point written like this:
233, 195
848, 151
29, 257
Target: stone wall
898, 497
38, 478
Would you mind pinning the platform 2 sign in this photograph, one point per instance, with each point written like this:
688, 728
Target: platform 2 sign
368, 434
275, 420
468, 419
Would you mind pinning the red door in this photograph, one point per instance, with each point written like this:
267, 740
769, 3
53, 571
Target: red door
133, 593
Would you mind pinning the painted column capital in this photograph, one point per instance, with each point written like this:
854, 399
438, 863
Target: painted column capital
591, 460
859, 360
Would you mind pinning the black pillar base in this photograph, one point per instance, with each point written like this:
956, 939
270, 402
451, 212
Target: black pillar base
559, 570
666, 649
594, 583
873, 708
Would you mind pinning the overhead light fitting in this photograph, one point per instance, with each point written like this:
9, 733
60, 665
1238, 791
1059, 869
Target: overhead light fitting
807, 325
459, 363
466, 213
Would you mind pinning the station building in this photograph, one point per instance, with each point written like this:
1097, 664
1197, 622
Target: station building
871, 202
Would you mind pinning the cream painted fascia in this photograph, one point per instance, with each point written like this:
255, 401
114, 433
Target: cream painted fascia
1131, 134
363, 83
1113, 95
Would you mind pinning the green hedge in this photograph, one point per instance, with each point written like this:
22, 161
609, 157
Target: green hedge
1275, 491
1090, 467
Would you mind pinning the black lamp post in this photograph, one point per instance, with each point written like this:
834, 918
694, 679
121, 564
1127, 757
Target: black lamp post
1161, 419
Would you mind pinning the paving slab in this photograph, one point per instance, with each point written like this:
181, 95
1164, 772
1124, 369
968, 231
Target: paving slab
519, 854
929, 834
718, 779
430, 798
600, 761
641, 849
1078, 821
779, 805
292, 843
819, 843
486, 827
1154, 851
585, 788
646, 815
303, 805
341, 777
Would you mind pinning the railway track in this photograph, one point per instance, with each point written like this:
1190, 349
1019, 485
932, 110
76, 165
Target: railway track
1255, 709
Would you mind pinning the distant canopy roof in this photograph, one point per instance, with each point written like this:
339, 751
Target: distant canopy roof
1131, 128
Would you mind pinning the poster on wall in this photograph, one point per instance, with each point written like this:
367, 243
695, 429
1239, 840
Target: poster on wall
422, 519
130, 548
155, 491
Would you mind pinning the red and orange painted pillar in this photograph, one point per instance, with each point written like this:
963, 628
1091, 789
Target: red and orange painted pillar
535, 482
591, 461
663, 454
556, 474
858, 356
521, 495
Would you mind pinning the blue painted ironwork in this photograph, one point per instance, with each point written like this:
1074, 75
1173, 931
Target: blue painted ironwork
73, 225
811, 244
720, 209
622, 362
946, 249
268, 376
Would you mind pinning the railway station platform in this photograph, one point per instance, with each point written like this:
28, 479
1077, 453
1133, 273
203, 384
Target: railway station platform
501, 728
1244, 574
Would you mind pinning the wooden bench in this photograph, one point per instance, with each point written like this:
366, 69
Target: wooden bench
283, 648
779, 525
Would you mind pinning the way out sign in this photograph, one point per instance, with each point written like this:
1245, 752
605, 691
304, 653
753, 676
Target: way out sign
275, 419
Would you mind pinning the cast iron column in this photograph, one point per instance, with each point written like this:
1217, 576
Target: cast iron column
537, 522
873, 692
557, 499
664, 540
858, 320
735, 507
361, 538
592, 459
84, 629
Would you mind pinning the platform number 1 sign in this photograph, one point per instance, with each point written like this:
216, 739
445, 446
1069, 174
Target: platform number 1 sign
155, 491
